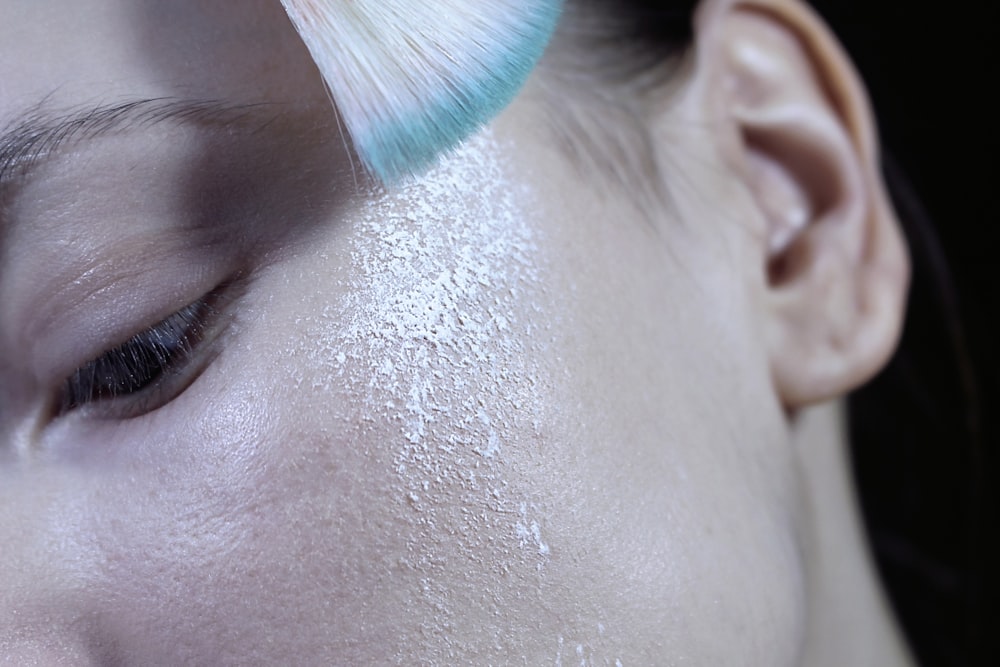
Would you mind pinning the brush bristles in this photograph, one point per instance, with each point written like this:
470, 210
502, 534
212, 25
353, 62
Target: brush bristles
414, 78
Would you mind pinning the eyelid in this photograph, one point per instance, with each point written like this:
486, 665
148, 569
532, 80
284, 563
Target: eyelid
83, 309
192, 328
138, 362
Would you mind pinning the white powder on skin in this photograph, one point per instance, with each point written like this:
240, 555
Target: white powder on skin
436, 356
438, 335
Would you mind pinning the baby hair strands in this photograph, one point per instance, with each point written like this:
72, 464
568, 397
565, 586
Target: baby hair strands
414, 78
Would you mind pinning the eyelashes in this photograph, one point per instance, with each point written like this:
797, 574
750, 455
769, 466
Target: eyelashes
141, 374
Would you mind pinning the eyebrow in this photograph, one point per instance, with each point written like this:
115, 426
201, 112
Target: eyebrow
39, 132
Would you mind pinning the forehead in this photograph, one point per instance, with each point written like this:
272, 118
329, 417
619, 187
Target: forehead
87, 51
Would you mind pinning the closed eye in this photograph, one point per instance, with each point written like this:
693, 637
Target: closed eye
138, 372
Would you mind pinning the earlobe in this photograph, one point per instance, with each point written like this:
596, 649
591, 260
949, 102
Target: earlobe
833, 264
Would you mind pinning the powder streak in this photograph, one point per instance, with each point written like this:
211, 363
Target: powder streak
438, 336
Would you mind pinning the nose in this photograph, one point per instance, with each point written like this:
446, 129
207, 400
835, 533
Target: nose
34, 628
29, 653
42, 618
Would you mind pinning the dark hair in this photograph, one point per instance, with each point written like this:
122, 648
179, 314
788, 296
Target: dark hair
920, 411
917, 446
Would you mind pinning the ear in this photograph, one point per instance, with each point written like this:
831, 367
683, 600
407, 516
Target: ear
798, 132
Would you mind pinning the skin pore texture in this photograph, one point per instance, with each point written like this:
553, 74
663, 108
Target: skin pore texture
497, 415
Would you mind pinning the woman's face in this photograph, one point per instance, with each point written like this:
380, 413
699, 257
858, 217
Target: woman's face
495, 415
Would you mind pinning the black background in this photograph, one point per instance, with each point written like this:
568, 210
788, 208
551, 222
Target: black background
925, 432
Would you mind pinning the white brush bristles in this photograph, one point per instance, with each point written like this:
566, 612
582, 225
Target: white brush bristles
413, 78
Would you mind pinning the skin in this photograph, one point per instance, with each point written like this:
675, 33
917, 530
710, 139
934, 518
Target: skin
610, 456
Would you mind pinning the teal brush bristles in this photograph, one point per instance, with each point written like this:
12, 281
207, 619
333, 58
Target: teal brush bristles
412, 79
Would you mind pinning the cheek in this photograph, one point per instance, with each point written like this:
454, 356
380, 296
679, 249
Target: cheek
437, 358
411, 455
360, 490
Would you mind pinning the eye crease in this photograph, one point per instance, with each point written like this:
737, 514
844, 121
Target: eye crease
139, 365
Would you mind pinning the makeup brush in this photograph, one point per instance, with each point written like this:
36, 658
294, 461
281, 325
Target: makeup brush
414, 78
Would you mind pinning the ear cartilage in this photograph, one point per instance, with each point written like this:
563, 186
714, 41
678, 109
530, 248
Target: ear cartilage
412, 79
